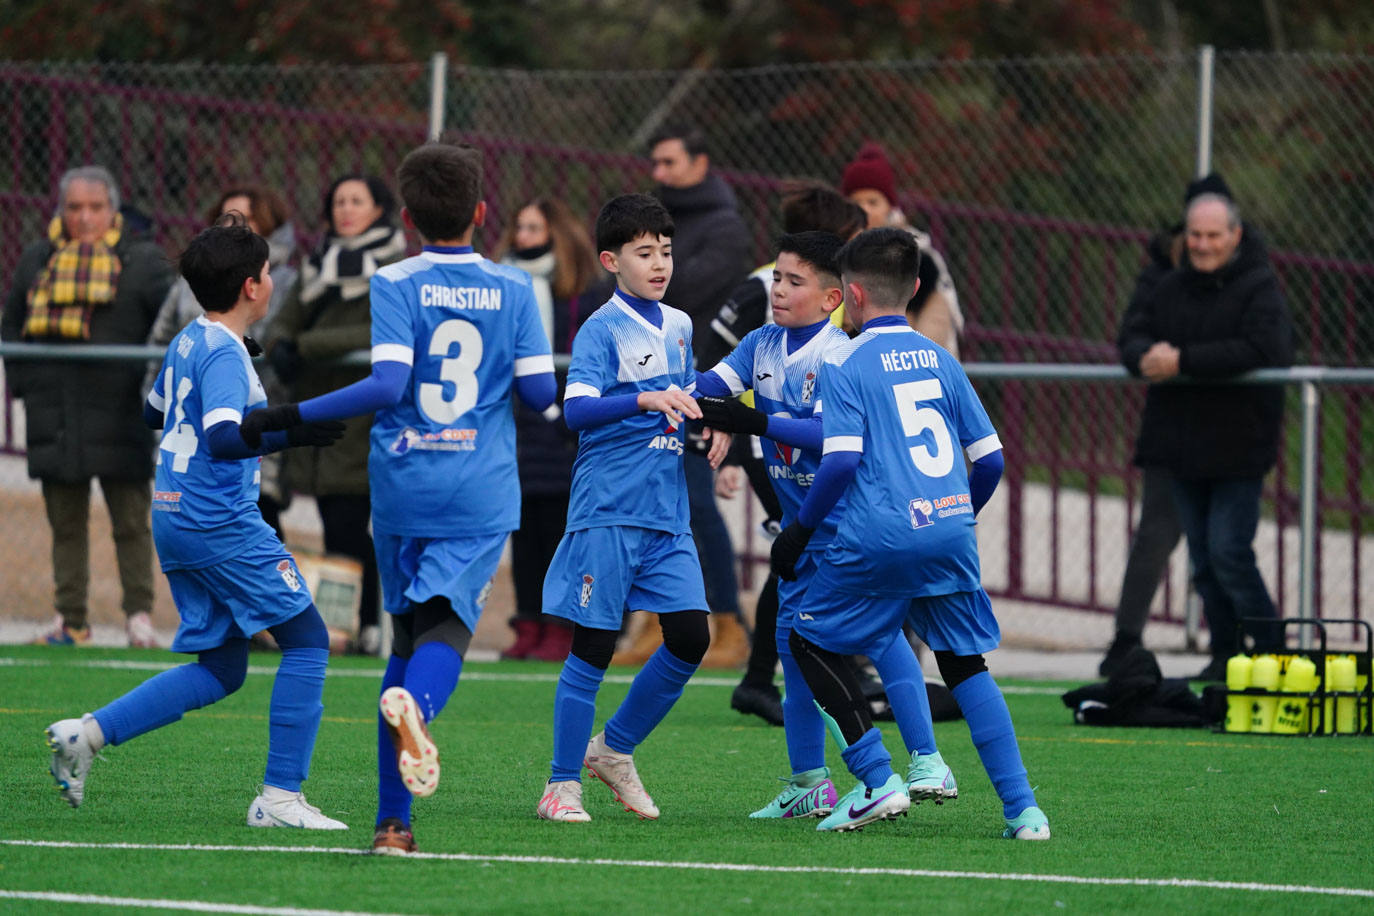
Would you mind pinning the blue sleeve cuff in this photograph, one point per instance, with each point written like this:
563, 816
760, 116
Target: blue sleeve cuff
711, 385
225, 443
983, 478
583, 412
537, 391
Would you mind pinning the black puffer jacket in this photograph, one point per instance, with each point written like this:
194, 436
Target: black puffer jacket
85, 419
1224, 323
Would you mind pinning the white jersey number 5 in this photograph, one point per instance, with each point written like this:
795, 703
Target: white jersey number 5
459, 368
916, 420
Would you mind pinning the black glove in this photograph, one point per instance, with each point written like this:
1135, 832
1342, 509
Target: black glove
787, 550
286, 360
265, 419
252, 346
320, 433
729, 415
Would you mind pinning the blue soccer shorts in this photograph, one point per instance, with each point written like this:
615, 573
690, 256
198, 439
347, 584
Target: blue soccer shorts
413, 570
257, 589
961, 623
599, 573
792, 594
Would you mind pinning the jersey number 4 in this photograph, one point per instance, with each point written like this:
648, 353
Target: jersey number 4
458, 370
917, 420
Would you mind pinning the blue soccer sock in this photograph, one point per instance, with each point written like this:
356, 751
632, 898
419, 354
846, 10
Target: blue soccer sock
652, 693
802, 724
574, 712
393, 798
432, 675
159, 701
868, 760
989, 723
906, 693
294, 716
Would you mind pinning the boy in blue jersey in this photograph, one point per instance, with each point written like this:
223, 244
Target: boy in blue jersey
904, 548
628, 545
782, 363
230, 576
452, 335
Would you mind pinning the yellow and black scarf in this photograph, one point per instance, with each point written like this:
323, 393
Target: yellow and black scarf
78, 278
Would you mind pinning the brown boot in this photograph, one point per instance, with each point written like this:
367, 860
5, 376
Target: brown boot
729, 643
642, 640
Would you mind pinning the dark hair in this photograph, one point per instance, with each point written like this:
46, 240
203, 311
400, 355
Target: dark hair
886, 262
574, 262
693, 140
381, 196
441, 185
817, 206
815, 248
266, 206
219, 259
627, 217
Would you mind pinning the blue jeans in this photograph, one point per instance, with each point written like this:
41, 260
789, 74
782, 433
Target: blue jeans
712, 537
1220, 518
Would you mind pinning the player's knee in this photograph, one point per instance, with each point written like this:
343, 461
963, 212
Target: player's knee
226, 666
304, 631
593, 646
686, 634
450, 632
955, 669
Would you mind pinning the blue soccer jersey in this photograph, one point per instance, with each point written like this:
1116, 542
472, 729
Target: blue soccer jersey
905, 404
629, 472
442, 462
204, 508
785, 385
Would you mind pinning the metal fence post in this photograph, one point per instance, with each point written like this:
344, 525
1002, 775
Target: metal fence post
1307, 509
438, 83
1206, 59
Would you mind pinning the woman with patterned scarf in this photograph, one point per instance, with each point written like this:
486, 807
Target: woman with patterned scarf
327, 314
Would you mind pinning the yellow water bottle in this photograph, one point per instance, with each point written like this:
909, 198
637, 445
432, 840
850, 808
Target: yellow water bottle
1343, 681
1264, 674
1299, 680
1237, 703
1361, 681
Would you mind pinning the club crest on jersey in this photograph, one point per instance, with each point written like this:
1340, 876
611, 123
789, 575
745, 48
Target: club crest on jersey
922, 512
808, 387
288, 575
682, 352
586, 589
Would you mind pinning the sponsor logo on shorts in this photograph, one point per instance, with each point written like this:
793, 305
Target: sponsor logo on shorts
288, 575
484, 594
587, 589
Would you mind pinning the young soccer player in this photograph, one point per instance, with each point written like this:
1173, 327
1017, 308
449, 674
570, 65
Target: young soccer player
451, 334
230, 575
627, 544
904, 548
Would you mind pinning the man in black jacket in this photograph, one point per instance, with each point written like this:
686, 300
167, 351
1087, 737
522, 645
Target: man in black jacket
1220, 314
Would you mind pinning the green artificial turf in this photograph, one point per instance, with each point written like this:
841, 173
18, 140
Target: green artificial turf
1142, 808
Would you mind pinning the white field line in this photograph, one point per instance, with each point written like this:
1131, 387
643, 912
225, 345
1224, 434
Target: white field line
1086, 880
468, 674
193, 906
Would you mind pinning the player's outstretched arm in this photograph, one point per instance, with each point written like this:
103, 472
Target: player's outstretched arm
382, 388
227, 441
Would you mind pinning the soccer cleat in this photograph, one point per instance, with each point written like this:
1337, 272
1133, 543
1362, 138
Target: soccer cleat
392, 838
71, 758
140, 630
863, 805
1030, 824
63, 635
802, 801
617, 771
763, 701
291, 811
416, 756
562, 801
929, 778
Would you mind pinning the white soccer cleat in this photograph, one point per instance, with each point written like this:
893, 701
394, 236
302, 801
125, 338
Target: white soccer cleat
562, 801
141, 632
291, 811
417, 758
72, 754
617, 771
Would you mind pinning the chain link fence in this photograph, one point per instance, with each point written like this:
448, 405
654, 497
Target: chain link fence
1040, 180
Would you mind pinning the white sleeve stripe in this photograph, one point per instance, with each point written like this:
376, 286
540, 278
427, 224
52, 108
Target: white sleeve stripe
534, 365
580, 390
393, 353
219, 415
983, 447
842, 444
158, 401
730, 377
816, 411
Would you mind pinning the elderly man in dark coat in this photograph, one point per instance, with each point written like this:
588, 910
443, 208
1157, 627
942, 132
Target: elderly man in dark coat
89, 281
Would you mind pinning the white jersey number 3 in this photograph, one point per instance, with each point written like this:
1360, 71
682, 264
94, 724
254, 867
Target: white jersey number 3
459, 369
916, 420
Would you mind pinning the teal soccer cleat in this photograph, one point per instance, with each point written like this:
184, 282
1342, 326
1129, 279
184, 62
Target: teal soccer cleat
1030, 824
928, 777
862, 805
797, 800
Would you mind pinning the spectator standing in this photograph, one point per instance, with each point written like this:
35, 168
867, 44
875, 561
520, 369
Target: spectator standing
1218, 315
325, 316
547, 242
89, 281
